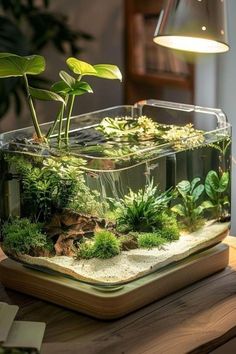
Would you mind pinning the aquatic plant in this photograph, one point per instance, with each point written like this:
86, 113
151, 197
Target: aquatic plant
103, 245
150, 240
85, 250
222, 146
52, 184
21, 236
190, 210
169, 229
127, 127
141, 211
69, 87
216, 188
64, 91
106, 244
185, 137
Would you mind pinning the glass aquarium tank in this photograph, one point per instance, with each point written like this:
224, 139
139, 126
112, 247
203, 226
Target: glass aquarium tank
134, 189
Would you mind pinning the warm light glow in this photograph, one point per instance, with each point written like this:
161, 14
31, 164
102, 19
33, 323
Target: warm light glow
191, 44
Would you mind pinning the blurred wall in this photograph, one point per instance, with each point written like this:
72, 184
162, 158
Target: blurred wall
104, 20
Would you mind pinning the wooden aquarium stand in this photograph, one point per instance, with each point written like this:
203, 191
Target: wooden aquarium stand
113, 302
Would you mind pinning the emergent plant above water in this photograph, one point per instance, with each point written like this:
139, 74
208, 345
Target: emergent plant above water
63, 91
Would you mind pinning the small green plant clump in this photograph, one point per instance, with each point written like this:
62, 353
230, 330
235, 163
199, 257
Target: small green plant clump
104, 245
150, 240
217, 189
186, 137
141, 211
190, 210
53, 184
21, 236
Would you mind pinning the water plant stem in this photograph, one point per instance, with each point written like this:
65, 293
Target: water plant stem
32, 109
69, 116
52, 128
61, 123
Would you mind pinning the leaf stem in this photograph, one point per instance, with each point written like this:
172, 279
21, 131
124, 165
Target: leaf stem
69, 116
52, 128
32, 110
61, 123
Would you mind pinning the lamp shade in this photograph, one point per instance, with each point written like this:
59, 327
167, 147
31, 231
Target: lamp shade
193, 25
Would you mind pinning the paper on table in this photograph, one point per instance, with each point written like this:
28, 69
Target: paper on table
7, 316
25, 334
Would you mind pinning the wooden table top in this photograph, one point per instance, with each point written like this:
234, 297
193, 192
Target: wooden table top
196, 319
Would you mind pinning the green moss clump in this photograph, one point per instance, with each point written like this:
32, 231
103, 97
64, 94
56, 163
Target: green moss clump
20, 236
103, 245
169, 230
106, 245
150, 240
85, 251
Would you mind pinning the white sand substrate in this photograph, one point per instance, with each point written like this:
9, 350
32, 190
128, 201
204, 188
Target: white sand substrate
132, 264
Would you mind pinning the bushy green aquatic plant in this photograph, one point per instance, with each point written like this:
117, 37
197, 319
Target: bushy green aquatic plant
106, 244
85, 250
21, 236
169, 229
190, 210
150, 240
217, 189
141, 211
53, 184
103, 245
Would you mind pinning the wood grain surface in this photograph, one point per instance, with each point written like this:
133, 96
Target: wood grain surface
196, 319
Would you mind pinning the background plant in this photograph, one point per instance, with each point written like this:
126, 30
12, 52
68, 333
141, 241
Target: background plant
53, 184
190, 210
217, 188
21, 236
27, 27
222, 146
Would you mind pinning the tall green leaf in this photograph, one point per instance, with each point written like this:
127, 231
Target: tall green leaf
12, 65
194, 182
45, 95
67, 78
197, 192
80, 67
107, 71
224, 182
